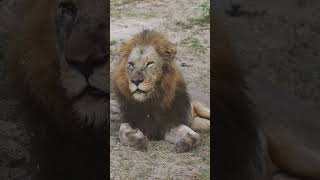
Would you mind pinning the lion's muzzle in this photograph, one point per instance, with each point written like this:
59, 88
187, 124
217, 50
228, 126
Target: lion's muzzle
137, 78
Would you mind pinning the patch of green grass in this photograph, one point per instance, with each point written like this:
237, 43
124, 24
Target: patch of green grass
202, 20
205, 10
194, 43
119, 13
191, 22
113, 42
114, 3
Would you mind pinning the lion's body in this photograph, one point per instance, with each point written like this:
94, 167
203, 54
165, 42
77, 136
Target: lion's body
167, 104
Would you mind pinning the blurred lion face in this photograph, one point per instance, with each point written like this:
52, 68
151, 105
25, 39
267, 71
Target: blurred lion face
81, 29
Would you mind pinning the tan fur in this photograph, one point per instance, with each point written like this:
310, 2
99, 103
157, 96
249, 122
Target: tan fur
288, 156
199, 110
201, 115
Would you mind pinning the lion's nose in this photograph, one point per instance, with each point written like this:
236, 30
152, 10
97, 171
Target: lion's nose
137, 80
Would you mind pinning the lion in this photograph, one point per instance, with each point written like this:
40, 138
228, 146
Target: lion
57, 57
153, 96
243, 149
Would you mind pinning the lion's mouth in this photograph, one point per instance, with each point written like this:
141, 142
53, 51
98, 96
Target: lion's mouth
93, 92
140, 91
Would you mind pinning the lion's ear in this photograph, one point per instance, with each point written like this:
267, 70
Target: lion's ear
171, 52
124, 49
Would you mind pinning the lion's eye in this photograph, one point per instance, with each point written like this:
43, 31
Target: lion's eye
150, 64
130, 64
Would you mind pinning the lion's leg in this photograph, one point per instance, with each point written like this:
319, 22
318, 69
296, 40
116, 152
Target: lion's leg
199, 110
290, 157
132, 137
183, 137
199, 124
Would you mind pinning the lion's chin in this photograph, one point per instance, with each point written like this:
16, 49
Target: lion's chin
140, 96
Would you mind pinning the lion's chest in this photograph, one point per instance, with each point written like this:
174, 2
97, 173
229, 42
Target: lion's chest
153, 120
150, 120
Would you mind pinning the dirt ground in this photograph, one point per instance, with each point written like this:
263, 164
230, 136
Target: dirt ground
181, 22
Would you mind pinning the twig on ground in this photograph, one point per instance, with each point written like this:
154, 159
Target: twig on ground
183, 64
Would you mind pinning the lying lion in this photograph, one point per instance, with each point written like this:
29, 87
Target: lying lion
153, 96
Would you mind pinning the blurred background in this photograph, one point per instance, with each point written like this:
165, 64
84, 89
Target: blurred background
278, 46
15, 140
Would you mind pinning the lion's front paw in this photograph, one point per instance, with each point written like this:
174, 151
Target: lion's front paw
133, 137
138, 140
186, 143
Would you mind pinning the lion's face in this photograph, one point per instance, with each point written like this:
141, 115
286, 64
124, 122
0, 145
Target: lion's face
144, 69
81, 33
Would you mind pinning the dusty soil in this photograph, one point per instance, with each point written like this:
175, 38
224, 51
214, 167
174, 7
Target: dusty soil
173, 18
